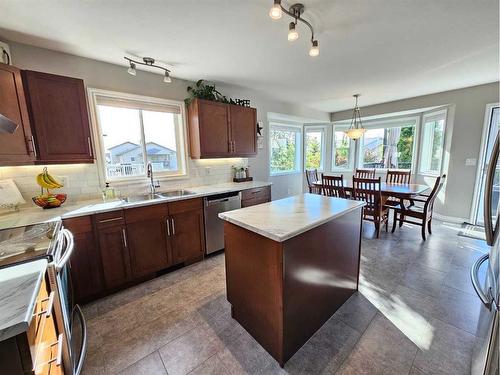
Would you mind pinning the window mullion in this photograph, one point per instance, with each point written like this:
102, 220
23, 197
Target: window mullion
143, 142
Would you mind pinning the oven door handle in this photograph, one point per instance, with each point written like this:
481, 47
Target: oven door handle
83, 347
69, 242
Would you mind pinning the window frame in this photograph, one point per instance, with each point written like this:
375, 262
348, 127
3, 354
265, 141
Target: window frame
441, 114
299, 137
181, 136
315, 129
352, 150
392, 123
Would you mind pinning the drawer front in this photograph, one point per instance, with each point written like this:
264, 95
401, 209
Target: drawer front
257, 193
254, 201
185, 205
152, 212
78, 225
108, 219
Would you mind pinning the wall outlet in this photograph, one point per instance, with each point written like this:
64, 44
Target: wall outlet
470, 162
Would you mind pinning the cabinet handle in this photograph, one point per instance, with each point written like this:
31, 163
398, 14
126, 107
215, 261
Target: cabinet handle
33, 147
234, 146
168, 227
124, 235
229, 146
48, 309
173, 227
108, 220
90, 147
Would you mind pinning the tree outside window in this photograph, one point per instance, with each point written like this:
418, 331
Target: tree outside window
285, 149
314, 149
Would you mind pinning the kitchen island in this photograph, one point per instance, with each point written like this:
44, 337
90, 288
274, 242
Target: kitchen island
290, 264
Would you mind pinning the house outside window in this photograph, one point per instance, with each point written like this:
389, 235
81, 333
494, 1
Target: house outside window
135, 130
388, 145
433, 131
285, 149
314, 147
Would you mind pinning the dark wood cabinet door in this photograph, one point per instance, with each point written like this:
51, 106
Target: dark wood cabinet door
59, 118
213, 121
243, 122
147, 239
187, 231
115, 256
15, 148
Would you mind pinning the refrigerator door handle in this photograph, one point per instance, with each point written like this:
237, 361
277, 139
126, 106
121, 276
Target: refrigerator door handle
474, 275
490, 232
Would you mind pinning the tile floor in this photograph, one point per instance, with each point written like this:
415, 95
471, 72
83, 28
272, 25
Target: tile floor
415, 313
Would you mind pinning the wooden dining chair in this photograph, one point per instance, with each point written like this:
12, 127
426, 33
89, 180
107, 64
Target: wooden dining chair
333, 186
365, 173
422, 213
311, 177
398, 177
369, 191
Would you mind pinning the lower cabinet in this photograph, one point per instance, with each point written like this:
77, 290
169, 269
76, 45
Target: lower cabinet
187, 230
252, 197
113, 245
147, 239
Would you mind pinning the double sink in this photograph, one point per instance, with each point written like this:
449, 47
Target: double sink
166, 194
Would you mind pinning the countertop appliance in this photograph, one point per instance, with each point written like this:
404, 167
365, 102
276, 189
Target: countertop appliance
214, 227
55, 243
486, 359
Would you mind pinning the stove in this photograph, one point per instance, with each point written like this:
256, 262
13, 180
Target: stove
22, 244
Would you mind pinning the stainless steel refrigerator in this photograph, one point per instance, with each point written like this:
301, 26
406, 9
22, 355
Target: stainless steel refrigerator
486, 357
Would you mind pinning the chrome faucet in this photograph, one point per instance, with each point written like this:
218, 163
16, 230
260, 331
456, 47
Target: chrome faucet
152, 184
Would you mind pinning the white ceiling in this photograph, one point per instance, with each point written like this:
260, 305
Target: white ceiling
384, 49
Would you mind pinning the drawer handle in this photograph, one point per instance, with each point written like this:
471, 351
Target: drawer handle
256, 191
109, 220
57, 359
50, 304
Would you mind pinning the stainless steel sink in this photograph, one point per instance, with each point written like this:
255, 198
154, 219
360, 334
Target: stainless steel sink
140, 198
175, 193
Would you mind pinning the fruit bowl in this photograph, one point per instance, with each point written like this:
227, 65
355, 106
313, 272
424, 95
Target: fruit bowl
49, 200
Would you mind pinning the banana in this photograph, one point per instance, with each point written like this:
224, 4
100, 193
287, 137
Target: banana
41, 181
53, 181
45, 180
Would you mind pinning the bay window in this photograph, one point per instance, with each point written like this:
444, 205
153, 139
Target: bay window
432, 142
342, 149
285, 149
314, 148
135, 131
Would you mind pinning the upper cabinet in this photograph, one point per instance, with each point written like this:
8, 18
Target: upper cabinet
17, 148
59, 118
218, 130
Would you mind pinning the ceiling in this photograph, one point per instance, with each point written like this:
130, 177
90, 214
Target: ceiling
383, 49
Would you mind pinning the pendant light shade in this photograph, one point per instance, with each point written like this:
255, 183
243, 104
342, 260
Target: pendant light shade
356, 129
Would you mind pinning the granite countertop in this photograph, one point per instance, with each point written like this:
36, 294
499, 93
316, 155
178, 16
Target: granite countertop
34, 215
19, 287
285, 218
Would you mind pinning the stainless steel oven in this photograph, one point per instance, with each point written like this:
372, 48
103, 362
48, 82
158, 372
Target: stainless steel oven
68, 316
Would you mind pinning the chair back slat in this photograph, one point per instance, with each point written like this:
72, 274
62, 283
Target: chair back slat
365, 173
438, 185
367, 190
333, 186
311, 177
398, 176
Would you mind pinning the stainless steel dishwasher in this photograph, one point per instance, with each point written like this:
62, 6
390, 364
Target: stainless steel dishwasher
214, 227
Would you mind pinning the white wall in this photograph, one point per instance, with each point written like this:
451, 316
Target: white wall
466, 110
82, 181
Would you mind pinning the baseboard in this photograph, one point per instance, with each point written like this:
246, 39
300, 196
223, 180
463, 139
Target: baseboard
450, 219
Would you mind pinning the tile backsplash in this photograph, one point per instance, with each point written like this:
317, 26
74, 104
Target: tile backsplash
81, 181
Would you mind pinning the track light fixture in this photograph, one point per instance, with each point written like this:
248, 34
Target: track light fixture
295, 11
147, 61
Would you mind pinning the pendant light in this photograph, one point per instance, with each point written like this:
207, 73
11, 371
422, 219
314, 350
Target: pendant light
356, 129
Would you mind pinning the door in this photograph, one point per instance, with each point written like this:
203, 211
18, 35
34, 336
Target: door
16, 148
243, 122
492, 124
59, 117
213, 120
115, 257
147, 239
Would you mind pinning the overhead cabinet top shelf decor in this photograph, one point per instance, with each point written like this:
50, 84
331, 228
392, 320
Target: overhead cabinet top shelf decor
220, 130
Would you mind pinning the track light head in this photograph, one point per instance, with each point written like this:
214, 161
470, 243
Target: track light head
275, 13
131, 69
292, 32
314, 51
167, 78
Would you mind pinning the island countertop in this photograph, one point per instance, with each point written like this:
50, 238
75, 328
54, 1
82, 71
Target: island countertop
285, 218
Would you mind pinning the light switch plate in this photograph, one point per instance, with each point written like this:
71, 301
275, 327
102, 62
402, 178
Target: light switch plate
470, 162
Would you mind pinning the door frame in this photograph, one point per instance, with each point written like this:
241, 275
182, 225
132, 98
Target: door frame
481, 162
